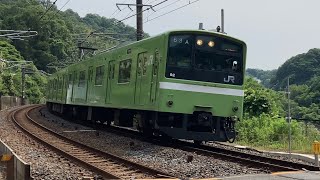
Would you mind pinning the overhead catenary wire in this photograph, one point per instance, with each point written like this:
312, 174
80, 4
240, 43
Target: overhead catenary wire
143, 11
63, 6
117, 11
129, 14
123, 19
162, 8
153, 1
48, 9
172, 11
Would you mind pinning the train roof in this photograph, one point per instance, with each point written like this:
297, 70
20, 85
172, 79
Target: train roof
188, 31
167, 33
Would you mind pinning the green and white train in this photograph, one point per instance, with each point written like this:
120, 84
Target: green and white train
185, 84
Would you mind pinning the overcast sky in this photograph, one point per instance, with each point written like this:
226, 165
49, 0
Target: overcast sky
274, 30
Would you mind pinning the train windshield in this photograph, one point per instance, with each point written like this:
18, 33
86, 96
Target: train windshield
205, 58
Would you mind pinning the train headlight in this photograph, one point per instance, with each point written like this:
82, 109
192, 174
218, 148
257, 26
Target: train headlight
170, 103
211, 43
199, 42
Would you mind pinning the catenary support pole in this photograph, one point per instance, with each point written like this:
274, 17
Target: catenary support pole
139, 20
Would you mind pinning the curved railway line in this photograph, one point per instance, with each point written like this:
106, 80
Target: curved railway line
272, 164
268, 163
105, 164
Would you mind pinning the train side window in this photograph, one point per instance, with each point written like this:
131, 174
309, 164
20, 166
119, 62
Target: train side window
60, 83
113, 69
74, 78
144, 65
124, 71
99, 75
65, 81
57, 84
156, 63
90, 74
82, 79
70, 79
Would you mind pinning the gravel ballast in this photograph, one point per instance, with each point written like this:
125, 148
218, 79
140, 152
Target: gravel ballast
45, 164
177, 162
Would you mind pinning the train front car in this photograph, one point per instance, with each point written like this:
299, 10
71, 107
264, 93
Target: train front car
201, 95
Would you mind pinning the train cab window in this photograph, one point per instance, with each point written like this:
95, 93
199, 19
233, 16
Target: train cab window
124, 71
99, 75
180, 51
82, 79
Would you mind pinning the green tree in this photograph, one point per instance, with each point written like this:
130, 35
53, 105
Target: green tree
259, 100
7, 88
300, 69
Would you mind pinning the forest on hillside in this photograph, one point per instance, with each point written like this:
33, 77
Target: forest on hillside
303, 72
56, 45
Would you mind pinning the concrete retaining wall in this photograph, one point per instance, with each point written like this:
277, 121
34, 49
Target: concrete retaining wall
17, 169
9, 101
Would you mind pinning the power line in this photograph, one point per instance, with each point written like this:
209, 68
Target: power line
92, 32
48, 9
129, 14
172, 11
117, 11
162, 8
143, 11
153, 1
61, 7
64, 5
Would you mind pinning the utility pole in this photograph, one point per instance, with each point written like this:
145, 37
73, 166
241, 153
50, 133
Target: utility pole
23, 76
139, 15
139, 20
289, 115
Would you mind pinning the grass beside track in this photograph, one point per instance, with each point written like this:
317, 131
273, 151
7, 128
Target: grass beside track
272, 133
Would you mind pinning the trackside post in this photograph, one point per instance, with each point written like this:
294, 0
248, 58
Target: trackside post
316, 151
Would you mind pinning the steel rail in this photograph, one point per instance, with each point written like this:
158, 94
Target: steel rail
105, 164
231, 155
272, 163
268, 160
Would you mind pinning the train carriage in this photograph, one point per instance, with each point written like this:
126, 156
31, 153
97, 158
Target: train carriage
184, 84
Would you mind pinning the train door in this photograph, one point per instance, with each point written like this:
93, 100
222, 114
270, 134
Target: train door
89, 84
62, 88
56, 94
143, 80
69, 89
73, 85
154, 77
110, 80
65, 86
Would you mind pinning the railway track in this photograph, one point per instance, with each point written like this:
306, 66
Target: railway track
105, 164
271, 164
